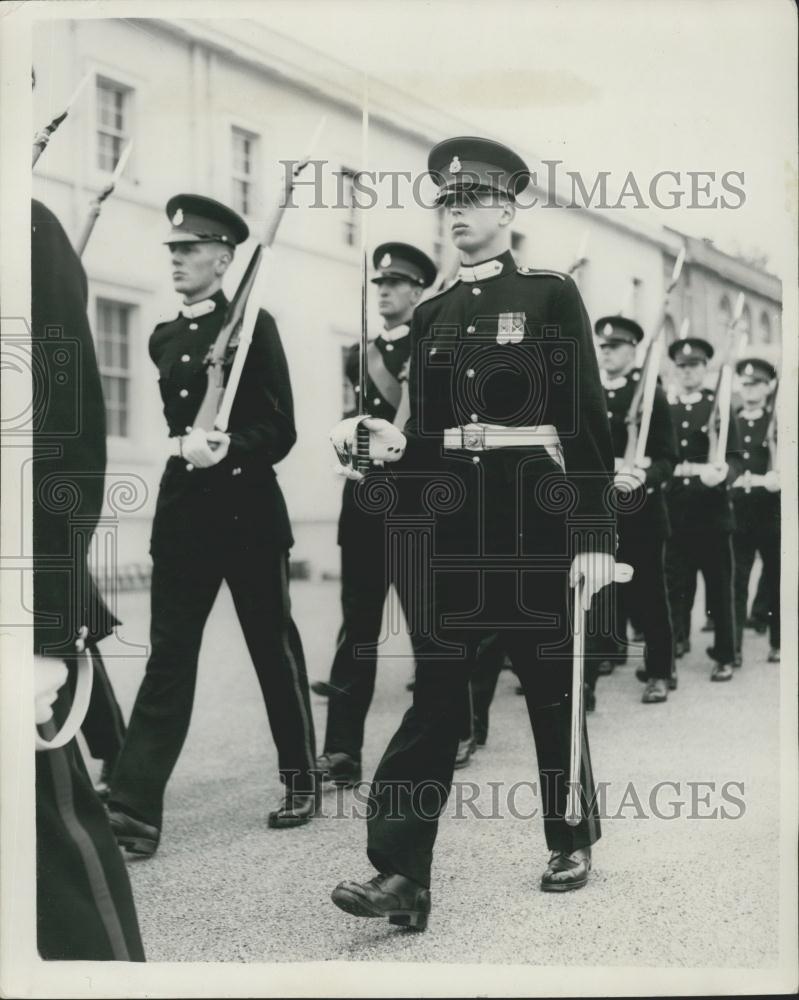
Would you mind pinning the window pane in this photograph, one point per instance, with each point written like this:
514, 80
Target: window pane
113, 355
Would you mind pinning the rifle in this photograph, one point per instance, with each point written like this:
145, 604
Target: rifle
771, 431
240, 318
42, 137
719, 420
644, 395
97, 205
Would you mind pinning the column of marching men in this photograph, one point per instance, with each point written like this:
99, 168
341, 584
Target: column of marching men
466, 423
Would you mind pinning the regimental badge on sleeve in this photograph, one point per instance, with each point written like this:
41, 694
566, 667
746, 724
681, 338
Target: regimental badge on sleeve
510, 328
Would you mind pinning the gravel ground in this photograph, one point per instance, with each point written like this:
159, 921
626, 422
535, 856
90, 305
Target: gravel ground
684, 892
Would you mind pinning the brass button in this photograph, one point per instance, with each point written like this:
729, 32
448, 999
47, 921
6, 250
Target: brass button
611, 394
184, 393
470, 373
193, 326
685, 423
389, 347
376, 401
684, 442
476, 459
185, 357
477, 291
473, 418
688, 406
470, 329
747, 439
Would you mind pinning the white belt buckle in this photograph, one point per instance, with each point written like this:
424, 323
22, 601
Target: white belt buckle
474, 437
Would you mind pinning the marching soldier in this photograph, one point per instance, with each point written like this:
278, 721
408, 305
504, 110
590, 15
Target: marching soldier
403, 272
85, 908
508, 439
700, 510
220, 516
756, 499
643, 523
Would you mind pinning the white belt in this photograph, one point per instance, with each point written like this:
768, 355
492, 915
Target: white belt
482, 437
619, 466
691, 468
748, 480
174, 447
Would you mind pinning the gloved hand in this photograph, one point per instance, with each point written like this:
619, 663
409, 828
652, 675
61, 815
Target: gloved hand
712, 475
48, 676
203, 449
596, 569
627, 480
386, 442
771, 481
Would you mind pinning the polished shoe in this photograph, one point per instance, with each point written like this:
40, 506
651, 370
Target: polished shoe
605, 668
642, 674
589, 698
681, 647
708, 626
465, 750
757, 624
103, 784
711, 652
721, 672
296, 809
480, 735
404, 902
567, 871
136, 836
673, 682
737, 660
323, 688
773, 655
656, 690
339, 769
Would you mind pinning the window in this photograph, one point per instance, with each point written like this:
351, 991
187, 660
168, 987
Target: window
113, 357
244, 150
346, 200
669, 330
745, 326
723, 321
765, 328
113, 125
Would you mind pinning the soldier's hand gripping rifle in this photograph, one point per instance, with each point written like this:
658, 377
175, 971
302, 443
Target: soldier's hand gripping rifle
239, 323
639, 413
97, 205
719, 422
42, 137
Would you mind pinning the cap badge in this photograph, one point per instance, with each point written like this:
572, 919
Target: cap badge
607, 329
177, 218
385, 260
686, 348
749, 370
455, 167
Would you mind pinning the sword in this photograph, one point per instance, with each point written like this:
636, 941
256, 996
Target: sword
360, 458
723, 398
582, 255
622, 573
42, 137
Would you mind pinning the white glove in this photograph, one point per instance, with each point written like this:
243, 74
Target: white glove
596, 569
628, 480
203, 449
48, 676
386, 442
771, 481
712, 475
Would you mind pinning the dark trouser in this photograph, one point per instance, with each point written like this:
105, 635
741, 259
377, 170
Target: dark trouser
760, 603
490, 661
187, 574
85, 909
104, 727
710, 551
413, 779
749, 538
366, 578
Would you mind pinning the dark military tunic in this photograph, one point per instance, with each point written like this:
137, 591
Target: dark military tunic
757, 523
513, 348
643, 526
85, 908
228, 522
702, 522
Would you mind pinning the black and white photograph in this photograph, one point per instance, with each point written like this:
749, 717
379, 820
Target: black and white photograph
398, 498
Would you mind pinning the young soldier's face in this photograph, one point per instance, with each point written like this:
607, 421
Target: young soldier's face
196, 267
691, 376
396, 299
616, 358
476, 220
753, 393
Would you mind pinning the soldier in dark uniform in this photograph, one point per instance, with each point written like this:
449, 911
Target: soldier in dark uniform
700, 509
643, 523
220, 516
367, 572
509, 443
85, 908
756, 500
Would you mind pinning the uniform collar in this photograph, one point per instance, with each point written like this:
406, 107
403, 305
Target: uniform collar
613, 383
395, 333
752, 414
691, 398
492, 268
204, 306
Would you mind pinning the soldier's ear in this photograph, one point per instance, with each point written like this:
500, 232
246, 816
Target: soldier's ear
508, 212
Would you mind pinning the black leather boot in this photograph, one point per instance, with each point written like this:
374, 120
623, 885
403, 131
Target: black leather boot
134, 835
404, 902
296, 809
339, 769
567, 871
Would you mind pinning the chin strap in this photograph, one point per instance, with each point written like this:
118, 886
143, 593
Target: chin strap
80, 703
